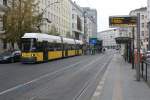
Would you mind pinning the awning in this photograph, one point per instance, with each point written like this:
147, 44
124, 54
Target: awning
123, 40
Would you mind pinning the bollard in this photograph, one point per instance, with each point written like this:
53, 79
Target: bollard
146, 72
142, 68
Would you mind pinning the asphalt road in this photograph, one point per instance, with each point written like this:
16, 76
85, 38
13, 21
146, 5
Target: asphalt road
73, 78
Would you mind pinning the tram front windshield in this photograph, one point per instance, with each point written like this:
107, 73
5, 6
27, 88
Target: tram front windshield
28, 44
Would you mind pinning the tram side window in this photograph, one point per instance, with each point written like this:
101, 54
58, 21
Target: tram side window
55, 46
58, 47
69, 47
50, 47
77, 47
80, 46
66, 46
73, 46
39, 46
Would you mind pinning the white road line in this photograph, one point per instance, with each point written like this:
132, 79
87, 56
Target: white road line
96, 94
39, 78
88, 82
101, 85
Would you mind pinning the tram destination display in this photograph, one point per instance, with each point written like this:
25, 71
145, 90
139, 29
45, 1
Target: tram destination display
122, 21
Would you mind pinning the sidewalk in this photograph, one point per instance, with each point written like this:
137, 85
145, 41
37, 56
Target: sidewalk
119, 83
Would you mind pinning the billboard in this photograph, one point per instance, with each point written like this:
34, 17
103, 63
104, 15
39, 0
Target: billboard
122, 21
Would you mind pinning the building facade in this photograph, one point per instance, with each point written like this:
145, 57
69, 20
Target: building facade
77, 21
2, 10
148, 21
108, 38
148, 10
143, 27
58, 12
90, 16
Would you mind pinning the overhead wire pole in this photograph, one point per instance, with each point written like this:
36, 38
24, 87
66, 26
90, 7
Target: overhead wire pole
85, 33
138, 48
133, 30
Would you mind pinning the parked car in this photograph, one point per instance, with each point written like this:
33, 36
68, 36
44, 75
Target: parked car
10, 56
146, 55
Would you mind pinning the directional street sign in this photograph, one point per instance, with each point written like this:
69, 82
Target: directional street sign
93, 41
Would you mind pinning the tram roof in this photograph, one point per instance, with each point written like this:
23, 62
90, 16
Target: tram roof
50, 38
79, 42
43, 37
68, 41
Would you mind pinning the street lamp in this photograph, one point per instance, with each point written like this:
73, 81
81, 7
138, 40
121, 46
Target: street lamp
41, 15
44, 10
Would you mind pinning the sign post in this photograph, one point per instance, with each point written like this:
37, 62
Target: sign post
129, 21
138, 48
133, 30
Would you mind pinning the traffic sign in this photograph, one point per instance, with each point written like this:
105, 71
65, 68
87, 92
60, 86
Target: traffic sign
93, 41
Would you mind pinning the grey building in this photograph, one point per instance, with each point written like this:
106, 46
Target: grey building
91, 15
148, 18
108, 37
143, 27
77, 21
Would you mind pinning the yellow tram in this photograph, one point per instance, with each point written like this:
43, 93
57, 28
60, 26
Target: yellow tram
40, 47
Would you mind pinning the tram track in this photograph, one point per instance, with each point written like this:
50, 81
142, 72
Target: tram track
56, 73
69, 82
94, 80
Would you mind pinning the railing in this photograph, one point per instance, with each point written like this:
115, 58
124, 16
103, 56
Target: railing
144, 69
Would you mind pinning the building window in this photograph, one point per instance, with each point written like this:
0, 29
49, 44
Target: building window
5, 2
142, 25
72, 16
141, 43
142, 16
142, 33
4, 44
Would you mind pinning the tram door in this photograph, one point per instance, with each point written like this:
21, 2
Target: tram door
45, 50
66, 50
62, 47
78, 49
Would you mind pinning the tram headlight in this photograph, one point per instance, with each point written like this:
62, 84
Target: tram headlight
32, 55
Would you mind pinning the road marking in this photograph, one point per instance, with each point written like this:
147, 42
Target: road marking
32, 98
117, 91
96, 94
101, 85
41, 77
89, 82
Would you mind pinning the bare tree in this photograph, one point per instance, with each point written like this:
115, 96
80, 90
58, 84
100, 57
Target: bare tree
21, 16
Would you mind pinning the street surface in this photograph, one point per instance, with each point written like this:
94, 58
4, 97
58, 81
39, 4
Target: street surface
73, 78
119, 83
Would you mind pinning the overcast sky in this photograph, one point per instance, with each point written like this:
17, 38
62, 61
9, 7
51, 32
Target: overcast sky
106, 8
